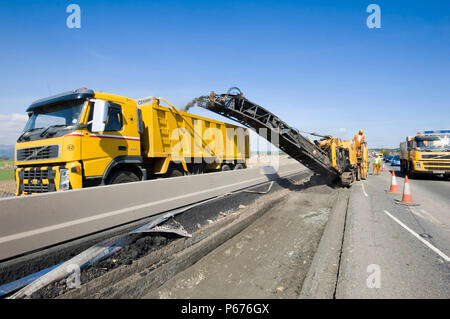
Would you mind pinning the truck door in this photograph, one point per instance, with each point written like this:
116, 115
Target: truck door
99, 149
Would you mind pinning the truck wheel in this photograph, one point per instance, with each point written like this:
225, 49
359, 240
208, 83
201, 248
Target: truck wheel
122, 177
239, 166
196, 169
358, 173
225, 167
174, 172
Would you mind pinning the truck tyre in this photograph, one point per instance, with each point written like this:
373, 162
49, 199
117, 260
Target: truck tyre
196, 169
239, 166
120, 177
225, 167
174, 172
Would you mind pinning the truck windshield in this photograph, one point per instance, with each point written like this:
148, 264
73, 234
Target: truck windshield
61, 115
433, 143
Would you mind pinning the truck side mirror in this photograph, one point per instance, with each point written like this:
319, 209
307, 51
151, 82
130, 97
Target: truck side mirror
100, 115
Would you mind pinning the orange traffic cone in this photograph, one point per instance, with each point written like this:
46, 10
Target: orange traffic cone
394, 186
384, 168
407, 198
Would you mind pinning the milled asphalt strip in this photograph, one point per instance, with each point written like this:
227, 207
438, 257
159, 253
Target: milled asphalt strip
437, 251
342, 247
321, 280
134, 281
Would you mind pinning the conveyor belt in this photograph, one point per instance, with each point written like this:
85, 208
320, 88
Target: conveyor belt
249, 114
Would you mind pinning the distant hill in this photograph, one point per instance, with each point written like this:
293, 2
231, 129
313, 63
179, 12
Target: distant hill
7, 151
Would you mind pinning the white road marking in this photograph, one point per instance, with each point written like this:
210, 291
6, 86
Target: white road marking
437, 251
364, 190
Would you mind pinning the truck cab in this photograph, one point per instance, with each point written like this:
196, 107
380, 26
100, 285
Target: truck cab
76, 139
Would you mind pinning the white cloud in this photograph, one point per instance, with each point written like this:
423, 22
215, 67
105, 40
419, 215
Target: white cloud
342, 130
11, 127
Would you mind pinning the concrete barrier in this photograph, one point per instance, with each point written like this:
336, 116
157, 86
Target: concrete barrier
33, 222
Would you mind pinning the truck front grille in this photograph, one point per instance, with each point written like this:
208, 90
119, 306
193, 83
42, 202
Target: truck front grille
437, 166
37, 153
36, 173
36, 180
437, 156
38, 188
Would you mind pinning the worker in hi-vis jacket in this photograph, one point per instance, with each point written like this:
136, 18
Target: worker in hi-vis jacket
358, 139
377, 162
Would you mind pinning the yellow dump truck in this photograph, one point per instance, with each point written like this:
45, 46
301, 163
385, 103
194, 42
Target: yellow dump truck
426, 153
84, 138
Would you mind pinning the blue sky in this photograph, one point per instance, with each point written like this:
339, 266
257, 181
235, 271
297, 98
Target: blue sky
313, 63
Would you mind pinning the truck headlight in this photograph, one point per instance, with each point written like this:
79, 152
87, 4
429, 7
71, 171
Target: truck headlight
418, 165
64, 183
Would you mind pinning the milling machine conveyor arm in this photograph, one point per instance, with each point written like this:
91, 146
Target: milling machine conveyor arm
249, 114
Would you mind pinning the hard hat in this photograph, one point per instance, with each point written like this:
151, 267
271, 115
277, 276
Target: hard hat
361, 131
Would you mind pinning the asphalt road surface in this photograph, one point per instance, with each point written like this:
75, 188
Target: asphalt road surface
269, 259
392, 250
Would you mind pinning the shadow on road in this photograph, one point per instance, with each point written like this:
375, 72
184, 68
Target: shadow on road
429, 177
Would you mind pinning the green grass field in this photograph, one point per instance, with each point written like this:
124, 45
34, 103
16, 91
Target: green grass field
6, 174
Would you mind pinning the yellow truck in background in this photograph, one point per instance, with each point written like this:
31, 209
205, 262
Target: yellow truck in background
427, 153
84, 138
